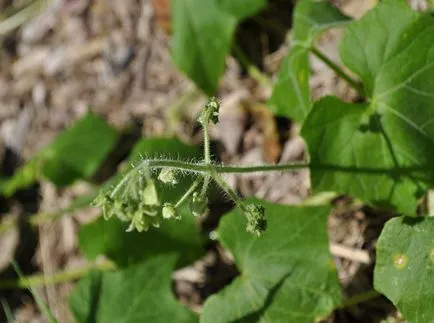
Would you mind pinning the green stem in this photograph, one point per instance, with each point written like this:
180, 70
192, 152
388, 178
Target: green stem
205, 185
206, 149
225, 187
252, 70
60, 277
188, 193
360, 298
205, 169
338, 70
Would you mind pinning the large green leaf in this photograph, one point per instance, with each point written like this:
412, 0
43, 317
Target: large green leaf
75, 153
141, 293
203, 32
182, 237
78, 151
381, 150
370, 42
291, 96
404, 270
287, 274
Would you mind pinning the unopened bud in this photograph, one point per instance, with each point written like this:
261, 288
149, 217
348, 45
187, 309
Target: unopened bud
168, 176
198, 204
169, 211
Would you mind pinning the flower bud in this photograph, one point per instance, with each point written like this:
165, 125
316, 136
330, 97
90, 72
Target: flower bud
106, 203
169, 211
198, 204
211, 110
149, 193
139, 222
168, 176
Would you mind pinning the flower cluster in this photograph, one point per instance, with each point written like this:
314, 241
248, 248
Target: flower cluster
256, 221
135, 198
137, 203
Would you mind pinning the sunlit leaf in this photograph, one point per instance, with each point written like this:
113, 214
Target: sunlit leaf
141, 293
383, 150
286, 275
405, 266
291, 95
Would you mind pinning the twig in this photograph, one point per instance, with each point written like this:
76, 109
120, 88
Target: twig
352, 254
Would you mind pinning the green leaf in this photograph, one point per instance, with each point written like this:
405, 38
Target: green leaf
141, 293
109, 237
203, 32
78, 151
381, 151
287, 274
370, 42
24, 177
291, 96
404, 270
75, 153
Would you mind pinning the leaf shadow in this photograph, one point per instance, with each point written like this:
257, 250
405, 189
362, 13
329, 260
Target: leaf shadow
94, 296
375, 125
255, 316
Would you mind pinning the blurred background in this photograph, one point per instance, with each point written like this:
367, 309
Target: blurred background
61, 58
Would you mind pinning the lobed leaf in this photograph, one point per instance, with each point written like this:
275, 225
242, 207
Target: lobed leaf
380, 150
405, 266
291, 95
287, 274
141, 293
203, 32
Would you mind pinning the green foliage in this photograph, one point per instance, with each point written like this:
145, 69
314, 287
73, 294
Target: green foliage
287, 274
76, 153
291, 95
141, 293
203, 32
405, 266
393, 132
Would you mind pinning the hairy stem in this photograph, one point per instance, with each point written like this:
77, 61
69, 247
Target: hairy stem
206, 169
225, 187
206, 149
189, 192
338, 70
